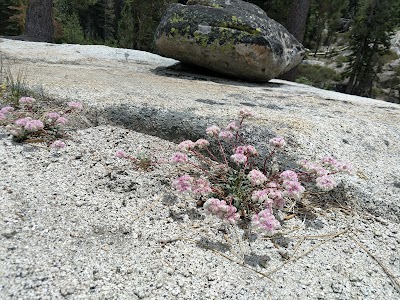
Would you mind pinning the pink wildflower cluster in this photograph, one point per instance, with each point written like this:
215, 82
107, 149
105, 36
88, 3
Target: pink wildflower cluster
179, 157
121, 154
256, 177
213, 131
324, 169
25, 121
75, 105
5, 111
58, 144
277, 142
325, 183
225, 135
270, 196
265, 220
246, 113
243, 153
221, 209
186, 146
29, 124
233, 126
54, 118
243, 187
202, 143
26, 100
187, 183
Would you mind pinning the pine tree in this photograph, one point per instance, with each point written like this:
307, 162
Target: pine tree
126, 26
370, 38
12, 16
322, 22
72, 30
108, 20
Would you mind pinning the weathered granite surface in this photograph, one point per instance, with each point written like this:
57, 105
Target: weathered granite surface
82, 224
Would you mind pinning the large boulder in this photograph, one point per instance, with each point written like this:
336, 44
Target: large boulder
231, 37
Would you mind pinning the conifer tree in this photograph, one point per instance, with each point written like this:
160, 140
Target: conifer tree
126, 26
370, 38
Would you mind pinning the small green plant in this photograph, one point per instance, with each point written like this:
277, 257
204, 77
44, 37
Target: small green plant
303, 80
388, 57
16, 86
233, 185
26, 121
341, 60
319, 76
142, 161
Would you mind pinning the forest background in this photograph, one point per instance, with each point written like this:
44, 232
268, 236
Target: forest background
348, 41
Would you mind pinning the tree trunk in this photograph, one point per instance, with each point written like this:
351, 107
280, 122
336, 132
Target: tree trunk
297, 18
296, 25
39, 21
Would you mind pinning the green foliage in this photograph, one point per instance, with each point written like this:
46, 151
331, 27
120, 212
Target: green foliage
15, 83
72, 31
370, 39
12, 16
318, 76
388, 57
340, 60
323, 21
126, 26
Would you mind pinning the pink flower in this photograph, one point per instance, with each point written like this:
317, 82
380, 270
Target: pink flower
289, 175
183, 183
121, 154
241, 150
22, 122
325, 183
2, 116
233, 126
246, 150
277, 198
202, 143
245, 112
212, 205
201, 186
265, 220
272, 185
277, 142
58, 144
329, 160
213, 131
239, 158
26, 100
34, 125
260, 196
7, 109
221, 209
62, 121
293, 189
53, 116
256, 177
225, 135
251, 150
186, 145
321, 171
75, 105
179, 157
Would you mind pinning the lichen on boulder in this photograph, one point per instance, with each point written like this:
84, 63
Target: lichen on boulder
231, 37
